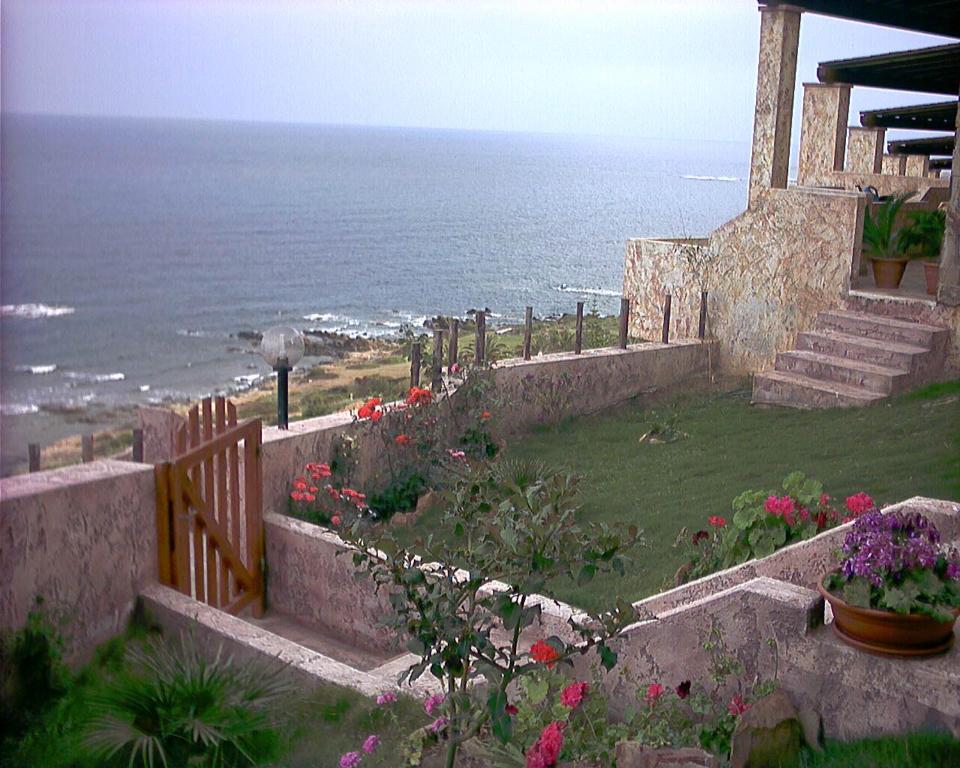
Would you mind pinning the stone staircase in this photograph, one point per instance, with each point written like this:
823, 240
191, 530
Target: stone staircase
852, 359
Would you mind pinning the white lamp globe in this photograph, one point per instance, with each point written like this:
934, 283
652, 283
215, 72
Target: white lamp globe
282, 346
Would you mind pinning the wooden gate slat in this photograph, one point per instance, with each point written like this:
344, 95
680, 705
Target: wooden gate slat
161, 475
234, 460
181, 523
222, 503
210, 565
196, 477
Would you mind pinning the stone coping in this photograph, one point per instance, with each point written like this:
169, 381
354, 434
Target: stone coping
52, 480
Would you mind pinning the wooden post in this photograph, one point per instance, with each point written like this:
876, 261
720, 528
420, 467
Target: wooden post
578, 341
665, 336
86, 448
436, 379
33, 451
527, 332
480, 352
624, 321
702, 327
454, 350
415, 364
138, 445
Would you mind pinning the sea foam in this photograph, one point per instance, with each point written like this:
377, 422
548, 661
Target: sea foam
34, 311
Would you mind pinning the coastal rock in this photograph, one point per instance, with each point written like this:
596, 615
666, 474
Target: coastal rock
769, 733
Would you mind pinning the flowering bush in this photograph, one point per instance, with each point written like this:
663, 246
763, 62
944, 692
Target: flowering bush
316, 501
896, 562
763, 522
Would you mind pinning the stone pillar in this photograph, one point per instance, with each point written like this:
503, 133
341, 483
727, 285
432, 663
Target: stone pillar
773, 111
159, 427
823, 133
917, 165
865, 150
894, 165
949, 289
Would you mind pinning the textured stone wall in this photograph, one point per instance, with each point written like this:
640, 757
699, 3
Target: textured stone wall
865, 150
917, 165
893, 165
768, 272
823, 133
926, 188
81, 538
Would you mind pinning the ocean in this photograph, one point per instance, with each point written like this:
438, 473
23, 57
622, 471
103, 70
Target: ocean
133, 251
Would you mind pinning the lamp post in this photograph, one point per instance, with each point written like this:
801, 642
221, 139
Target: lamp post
282, 347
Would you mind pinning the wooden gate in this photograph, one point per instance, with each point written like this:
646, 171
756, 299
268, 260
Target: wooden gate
209, 510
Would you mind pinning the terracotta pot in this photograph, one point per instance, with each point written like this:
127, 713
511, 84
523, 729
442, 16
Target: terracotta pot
887, 273
888, 633
931, 271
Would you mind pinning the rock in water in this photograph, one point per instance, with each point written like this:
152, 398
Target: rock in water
769, 733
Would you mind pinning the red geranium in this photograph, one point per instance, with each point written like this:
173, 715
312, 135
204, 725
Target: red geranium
418, 396
737, 706
544, 653
654, 692
402, 439
717, 522
546, 750
573, 694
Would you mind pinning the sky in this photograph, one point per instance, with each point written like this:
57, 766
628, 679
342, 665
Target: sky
656, 68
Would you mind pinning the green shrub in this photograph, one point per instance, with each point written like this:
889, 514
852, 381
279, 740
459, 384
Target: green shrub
400, 496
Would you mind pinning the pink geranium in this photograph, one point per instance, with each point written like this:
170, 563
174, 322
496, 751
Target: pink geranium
573, 694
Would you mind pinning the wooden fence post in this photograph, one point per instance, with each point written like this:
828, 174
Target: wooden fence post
86, 448
624, 321
702, 328
415, 364
578, 341
527, 332
454, 344
33, 451
480, 352
665, 336
436, 379
138, 445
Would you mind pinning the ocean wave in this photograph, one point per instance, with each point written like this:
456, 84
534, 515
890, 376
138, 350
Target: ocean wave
34, 311
18, 409
695, 177
94, 378
328, 317
193, 333
587, 291
247, 380
37, 370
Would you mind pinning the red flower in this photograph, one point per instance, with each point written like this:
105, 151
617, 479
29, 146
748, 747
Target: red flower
332, 492
364, 412
418, 396
296, 495
485, 415
859, 503
309, 497
698, 537
376, 416
717, 522
654, 692
510, 709
737, 706
300, 484
373, 402
546, 750
402, 439
335, 520
683, 690
573, 694
544, 653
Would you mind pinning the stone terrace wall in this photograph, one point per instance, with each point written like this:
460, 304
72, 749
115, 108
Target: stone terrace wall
768, 272
81, 538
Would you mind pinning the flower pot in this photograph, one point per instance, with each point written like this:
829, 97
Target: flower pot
887, 273
888, 633
931, 271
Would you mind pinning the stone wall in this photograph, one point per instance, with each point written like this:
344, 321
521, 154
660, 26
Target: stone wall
768, 272
81, 538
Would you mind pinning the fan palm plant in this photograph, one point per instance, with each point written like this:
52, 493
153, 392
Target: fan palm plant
925, 233
173, 706
881, 239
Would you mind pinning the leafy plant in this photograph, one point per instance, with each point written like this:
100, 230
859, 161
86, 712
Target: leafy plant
895, 562
172, 706
924, 235
398, 496
515, 523
881, 239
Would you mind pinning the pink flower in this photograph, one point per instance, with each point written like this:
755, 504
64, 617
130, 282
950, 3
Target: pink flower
455, 368
573, 694
737, 706
433, 703
386, 698
546, 749
717, 522
371, 743
350, 759
654, 692
859, 503
335, 520
458, 455
437, 725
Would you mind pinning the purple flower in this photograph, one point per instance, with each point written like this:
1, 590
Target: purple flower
371, 743
350, 759
437, 725
386, 698
432, 704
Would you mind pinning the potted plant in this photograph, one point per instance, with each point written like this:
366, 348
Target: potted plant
897, 591
882, 243
922, 239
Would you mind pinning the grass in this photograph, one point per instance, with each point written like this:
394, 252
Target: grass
900, 448
916, 750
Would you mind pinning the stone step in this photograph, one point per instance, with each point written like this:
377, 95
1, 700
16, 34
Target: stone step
794, 390
883, 328
856, 373
886, 353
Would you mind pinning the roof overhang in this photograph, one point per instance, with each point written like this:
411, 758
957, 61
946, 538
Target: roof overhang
924, 70
941, 116
934, 17
939, 145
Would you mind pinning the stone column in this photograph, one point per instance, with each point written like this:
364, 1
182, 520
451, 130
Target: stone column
773, 111
949, 291
917, 165
865, 150
823, 133
894, 165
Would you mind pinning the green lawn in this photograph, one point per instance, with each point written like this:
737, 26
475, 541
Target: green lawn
916, 750
901, 448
